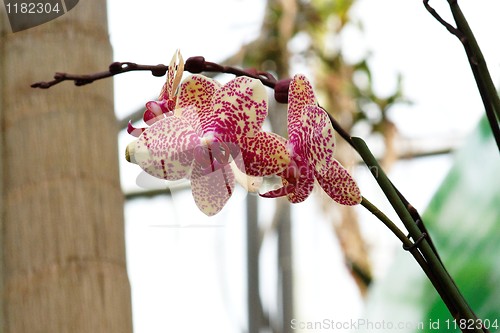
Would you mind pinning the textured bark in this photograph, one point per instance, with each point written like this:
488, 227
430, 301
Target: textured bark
63, 253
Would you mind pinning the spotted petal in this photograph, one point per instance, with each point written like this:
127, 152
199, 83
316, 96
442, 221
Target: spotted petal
165, 149
300, 94
264, 154
297, 181
174, 76
339, 185
240, 108
197, 91
249, 183
301, 97
318, 134
303, 177
211, 191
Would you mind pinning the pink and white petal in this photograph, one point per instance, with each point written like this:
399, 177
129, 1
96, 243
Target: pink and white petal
297, 138
295, 192
339, 184
297, 180
191, 115
154, 107
299, 135
211, 191
165, 149
153, 113
198, 91
319, 137
167, 86
134, 131
249, 183
300, 94
265, 154
179, 70
279, 192
303, 184
174, 70
240, 108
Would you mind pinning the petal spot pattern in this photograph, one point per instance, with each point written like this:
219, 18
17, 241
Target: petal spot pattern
311, 144
212, 130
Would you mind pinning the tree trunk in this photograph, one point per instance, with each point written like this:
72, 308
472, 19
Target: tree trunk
63, 254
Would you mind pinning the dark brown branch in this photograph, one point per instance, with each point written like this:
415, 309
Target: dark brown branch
114, 69
451, 29
193, 65
266, 78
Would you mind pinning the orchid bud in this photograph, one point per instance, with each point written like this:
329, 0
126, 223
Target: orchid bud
281, 90
195, 65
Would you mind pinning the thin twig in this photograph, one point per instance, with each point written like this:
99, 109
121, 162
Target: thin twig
193, 65
114, 69
487, 90
386, 221
451, 29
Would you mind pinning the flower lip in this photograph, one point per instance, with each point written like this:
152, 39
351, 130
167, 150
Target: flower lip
133, 130
208, 138
202, 155
213, 155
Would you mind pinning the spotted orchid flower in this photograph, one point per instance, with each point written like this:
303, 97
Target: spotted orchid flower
212, 128
311, 146
165, 104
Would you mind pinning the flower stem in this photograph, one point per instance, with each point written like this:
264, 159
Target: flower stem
487, 90
449, 288
407, 244
384, 219
480, 70
476, 57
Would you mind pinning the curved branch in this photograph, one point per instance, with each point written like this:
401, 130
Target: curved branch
193, 65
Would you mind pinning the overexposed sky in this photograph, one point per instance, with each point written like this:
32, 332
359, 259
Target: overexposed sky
192, 278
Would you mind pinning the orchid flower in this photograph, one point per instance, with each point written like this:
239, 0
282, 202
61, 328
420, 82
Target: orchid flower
165, 105
212, 127
311, 146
